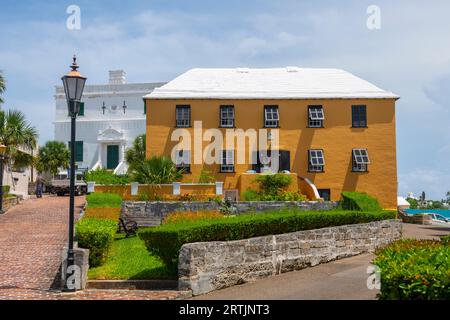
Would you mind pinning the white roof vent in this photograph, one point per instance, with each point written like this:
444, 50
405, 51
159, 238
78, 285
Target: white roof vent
243, 70
292, 69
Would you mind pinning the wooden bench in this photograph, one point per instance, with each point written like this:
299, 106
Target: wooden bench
129, 227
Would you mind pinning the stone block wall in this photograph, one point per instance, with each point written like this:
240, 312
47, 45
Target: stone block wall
209, 266
152, 213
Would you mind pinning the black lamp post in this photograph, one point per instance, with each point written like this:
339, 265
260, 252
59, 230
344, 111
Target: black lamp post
2, 159
73, 87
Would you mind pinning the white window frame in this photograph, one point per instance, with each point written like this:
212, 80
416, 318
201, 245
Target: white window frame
316, 160
271, 117
183, 116
227, 161
316, 116
360, 160
183, 160
227, 116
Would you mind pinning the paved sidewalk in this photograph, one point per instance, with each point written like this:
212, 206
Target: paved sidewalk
32, 237
342, 279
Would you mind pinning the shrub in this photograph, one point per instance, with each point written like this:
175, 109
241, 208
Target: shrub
166, 240
272, 184
103, 213
359, 201
6, 190
414, 270
251, 195
292, 196
185, 216
105, 177
446, 240
104, 200
96, 235
206, 177
156, 170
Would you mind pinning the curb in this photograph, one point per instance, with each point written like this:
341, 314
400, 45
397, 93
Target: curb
132, 284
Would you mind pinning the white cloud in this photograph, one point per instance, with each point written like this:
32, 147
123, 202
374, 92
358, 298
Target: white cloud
435, 183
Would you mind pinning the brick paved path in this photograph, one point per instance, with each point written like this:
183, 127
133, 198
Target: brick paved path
32, 237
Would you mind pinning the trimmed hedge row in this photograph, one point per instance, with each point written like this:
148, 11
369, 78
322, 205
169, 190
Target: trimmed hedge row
104, 200
415, 270
166, 240
97, 235
359, 201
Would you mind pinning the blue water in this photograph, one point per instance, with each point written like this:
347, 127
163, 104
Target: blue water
445, 213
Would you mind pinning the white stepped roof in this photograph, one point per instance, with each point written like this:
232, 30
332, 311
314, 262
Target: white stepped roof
271, 83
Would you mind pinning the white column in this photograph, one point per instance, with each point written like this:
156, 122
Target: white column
219, 188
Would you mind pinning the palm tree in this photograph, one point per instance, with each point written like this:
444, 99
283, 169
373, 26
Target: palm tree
156, 170
2, 87
18, 135
136, 154
52, 156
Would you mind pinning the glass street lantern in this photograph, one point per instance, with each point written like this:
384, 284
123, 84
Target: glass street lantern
73, 87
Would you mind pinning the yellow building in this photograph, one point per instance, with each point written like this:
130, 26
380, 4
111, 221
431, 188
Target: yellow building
335, 129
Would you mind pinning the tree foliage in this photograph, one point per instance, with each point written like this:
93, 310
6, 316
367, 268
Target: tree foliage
52, 156
18, 135
156, 170
135, 155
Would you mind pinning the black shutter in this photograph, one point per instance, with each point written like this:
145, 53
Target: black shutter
285, 160
256, 166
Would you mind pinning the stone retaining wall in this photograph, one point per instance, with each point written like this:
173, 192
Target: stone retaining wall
152, 213
209, 266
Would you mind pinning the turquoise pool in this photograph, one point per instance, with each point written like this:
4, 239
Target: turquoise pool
445, 213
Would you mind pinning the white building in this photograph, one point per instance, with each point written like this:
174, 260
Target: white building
111, 117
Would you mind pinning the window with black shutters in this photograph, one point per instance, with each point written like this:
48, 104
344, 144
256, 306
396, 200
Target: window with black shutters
359, 116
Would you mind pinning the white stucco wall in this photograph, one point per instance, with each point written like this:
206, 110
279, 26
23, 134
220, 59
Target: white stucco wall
118, 128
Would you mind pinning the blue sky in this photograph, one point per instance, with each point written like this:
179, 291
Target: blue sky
157, 40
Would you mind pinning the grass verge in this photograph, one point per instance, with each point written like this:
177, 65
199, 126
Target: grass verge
128, 259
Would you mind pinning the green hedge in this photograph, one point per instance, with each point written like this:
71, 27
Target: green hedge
359, 201
104, 200
97, 235
103, 176
415, 270
6, 190
166, 240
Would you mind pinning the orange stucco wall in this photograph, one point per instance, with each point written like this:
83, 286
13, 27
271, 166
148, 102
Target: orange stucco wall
337, 139
165, 192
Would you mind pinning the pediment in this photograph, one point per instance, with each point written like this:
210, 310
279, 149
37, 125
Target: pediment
110, 134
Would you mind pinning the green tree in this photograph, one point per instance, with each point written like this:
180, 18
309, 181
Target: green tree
135, 155
412, 203
2, 87
18, 135
448, 197
52, 156
156, 170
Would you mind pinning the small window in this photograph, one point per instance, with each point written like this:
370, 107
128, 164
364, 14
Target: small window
227, 161
227, 116
183, 116
271, 117
183, 161
316, 161
360, 160
315, 116
359, 116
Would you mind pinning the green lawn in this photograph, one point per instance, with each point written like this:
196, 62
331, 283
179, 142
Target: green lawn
129, 259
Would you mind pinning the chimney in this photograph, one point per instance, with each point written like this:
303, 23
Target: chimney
117, 77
